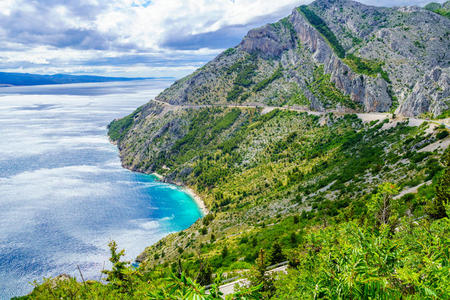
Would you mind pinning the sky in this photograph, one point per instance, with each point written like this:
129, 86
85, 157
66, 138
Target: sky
131, 38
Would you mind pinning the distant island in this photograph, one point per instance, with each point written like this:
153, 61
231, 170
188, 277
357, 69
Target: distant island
9, 79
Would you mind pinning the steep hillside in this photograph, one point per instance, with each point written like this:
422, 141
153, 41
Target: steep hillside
251, 168
358, 206
257, 169
333, 55
442, 9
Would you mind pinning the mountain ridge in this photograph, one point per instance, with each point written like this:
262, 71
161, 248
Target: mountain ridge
359, 207
374, 37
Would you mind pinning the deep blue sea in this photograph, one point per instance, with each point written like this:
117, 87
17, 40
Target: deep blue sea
63, 192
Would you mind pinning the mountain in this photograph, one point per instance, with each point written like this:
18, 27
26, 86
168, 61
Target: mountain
288, 140
333, 55
35, 79
442, 9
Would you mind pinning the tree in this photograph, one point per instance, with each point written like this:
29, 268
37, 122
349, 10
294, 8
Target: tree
382, 206
277, 256
224, 252
259, 276
293, 238
437, 207
121, 276
205, 272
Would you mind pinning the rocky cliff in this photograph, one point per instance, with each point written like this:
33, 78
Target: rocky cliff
257, 168
338, 55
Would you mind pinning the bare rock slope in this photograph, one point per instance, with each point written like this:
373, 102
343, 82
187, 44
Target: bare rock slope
333, 54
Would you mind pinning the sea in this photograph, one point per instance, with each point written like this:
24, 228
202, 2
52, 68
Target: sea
63, 192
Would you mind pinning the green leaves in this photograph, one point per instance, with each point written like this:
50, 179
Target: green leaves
117, 129
439, 206
383, 208
323, 28
349, 261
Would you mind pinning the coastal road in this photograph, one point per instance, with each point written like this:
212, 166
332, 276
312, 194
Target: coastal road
228, 288
365, 117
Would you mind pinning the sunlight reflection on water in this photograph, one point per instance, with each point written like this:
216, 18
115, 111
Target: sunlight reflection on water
63, 192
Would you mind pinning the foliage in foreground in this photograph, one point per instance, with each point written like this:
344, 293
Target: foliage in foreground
127, 282
344, 261
381, 255
364, 243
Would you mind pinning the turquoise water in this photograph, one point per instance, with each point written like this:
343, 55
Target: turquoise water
63, 192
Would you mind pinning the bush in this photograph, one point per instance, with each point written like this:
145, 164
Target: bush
442, 135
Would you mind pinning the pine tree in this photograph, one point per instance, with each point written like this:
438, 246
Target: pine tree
117, 274
260, 277
436, 208
277, 256
122, 276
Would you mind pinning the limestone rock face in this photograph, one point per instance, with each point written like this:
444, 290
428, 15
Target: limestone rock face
430, 94
267, 42
410, 44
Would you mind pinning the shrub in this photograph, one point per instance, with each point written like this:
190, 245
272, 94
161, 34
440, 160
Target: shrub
442, 135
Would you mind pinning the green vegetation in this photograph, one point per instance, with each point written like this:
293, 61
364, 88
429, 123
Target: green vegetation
322, 27
444, 115
297, 97
234, 94
393, 98
117, 129
441, 9
244, 70
282, 186
442, 135
351, 261
357, 64
418, 44
366, 66
324, 89
286, 24
229, 51
263, 84
326, 193
125, 282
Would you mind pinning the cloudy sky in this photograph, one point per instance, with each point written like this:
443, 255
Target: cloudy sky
130, 37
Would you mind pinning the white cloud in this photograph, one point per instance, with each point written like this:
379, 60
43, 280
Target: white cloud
50, 36
148, 26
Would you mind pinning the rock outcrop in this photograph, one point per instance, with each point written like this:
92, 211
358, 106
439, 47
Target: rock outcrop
333, 54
